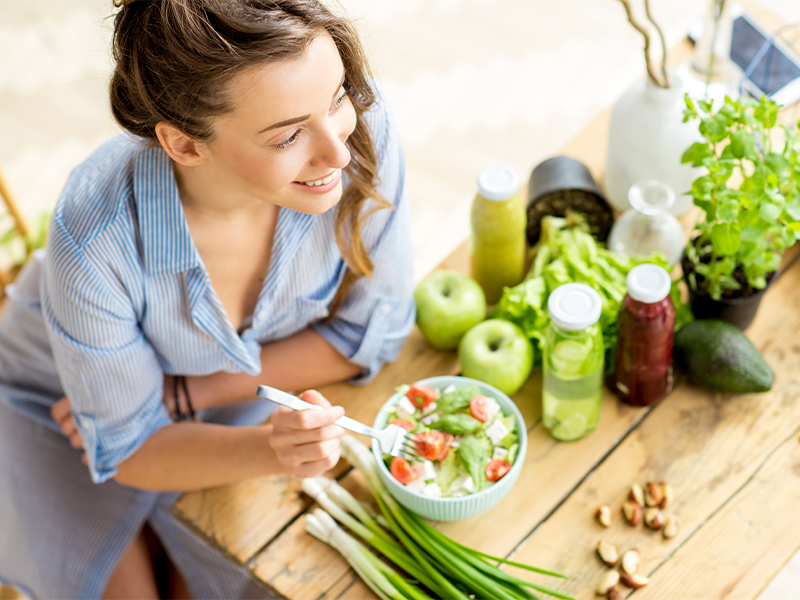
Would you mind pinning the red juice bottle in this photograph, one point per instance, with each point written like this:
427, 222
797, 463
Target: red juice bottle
645, 328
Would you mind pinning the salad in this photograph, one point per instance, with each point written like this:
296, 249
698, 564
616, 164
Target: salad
464, 441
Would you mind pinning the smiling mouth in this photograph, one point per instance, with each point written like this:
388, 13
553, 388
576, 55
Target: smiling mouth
319, 182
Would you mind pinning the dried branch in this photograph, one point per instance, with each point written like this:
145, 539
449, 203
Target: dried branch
663, 42
650, 70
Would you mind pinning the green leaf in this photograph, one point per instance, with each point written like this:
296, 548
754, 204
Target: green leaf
743, 144
473, 456
697, 153
457, 423
706, 107
728, 210
779, 165
726, 238
769, 212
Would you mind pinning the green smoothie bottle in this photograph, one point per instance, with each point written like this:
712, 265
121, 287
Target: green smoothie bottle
498, 231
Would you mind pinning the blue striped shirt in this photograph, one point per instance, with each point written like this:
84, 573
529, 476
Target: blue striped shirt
122, 296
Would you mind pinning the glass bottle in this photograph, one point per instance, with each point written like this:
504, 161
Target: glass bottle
645, 329
709, 75
572, 363
649, 226
498, 231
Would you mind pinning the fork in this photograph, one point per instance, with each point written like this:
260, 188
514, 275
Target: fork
393, 440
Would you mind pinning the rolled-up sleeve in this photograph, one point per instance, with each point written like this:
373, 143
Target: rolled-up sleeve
378, 313
107, 368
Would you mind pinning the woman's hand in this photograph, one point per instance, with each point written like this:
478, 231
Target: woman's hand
61, 412
307, 441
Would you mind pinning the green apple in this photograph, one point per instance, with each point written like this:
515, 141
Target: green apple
497, 352
448, 305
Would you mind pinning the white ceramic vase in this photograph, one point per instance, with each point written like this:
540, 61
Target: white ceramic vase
646, 140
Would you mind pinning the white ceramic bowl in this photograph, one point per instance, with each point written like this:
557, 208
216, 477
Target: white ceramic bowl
464, 507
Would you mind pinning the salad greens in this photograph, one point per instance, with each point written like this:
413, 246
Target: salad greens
477, 444
566, 253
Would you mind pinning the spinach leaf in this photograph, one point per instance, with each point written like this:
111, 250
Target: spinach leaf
473, 456
457, 424
458, 399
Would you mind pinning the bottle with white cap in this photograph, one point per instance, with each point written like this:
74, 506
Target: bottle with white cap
645, 329
498, 231
572, 363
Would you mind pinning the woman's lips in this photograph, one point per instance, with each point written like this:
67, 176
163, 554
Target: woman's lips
324, 188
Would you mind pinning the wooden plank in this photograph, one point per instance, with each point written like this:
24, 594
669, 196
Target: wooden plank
298, 565
706, 445
744, 545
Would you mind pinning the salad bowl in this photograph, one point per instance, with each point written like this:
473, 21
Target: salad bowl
464, 506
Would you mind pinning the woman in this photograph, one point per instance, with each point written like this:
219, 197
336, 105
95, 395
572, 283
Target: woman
250, 227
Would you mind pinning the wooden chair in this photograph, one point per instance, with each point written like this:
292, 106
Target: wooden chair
22, 229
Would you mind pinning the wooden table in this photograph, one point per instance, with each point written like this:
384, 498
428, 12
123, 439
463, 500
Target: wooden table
733, 461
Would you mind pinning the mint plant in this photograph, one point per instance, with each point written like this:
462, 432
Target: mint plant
750, 195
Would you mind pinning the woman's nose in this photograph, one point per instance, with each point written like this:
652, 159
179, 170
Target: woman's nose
331, 150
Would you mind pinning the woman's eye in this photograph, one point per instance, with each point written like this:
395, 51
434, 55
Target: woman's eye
290, 141
338, 102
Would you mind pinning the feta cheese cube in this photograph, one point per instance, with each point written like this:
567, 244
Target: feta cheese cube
432, 490
405, 408
497, 431
499, 453
464, 484
492, 408
449, 389
425, 470
429, 419
429, 409
415, 486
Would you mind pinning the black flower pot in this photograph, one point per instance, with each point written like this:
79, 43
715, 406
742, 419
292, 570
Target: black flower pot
559, 184
739, 311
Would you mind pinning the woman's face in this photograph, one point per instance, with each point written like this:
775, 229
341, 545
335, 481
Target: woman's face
284, 141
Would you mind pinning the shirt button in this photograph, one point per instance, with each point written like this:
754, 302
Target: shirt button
385, 308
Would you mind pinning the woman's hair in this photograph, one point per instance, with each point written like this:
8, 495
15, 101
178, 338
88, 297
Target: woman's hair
175, 58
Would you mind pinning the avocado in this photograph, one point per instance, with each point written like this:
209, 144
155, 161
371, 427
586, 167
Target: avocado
719, 356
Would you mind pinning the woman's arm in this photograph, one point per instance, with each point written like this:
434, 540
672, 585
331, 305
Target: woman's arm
302, 361
191, 456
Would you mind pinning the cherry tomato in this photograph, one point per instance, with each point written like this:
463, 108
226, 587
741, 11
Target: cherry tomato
402, 471
429, 444
448, 441
421, 395
479, 407
496, 469
404, 423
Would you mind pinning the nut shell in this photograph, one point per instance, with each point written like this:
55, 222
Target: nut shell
634, 581
603, 515
632, 512
630, 561
615, 594
653, 494
653, 518
666, 495
608, 553
671, 527
609, 580
637, 494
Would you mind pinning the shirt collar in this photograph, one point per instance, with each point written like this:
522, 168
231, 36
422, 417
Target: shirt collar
166, 241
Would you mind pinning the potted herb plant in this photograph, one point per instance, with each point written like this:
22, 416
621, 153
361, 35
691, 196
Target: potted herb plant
750, 198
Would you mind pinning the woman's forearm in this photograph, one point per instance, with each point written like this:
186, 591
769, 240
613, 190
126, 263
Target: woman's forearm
192, 456
303, 361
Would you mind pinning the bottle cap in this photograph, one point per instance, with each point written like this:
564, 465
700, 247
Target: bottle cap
574, 306
498, 182
648, 283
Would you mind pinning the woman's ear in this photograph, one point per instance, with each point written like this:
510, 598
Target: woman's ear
180, 147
